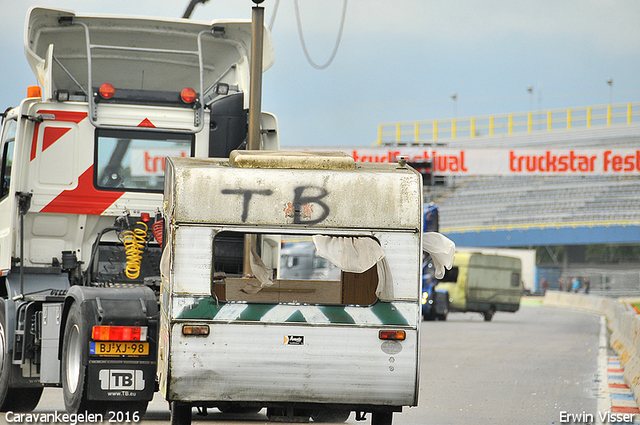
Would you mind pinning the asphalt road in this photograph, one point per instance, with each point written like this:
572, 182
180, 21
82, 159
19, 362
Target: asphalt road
522, 368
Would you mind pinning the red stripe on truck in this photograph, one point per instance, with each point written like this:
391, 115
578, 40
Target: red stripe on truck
69, 116
84, 199
34, 141
52, 135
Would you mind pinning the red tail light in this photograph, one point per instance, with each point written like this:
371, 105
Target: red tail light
106, 91
392, 335
188, 95
119, 333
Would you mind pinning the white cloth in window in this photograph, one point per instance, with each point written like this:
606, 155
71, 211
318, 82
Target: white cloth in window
441, 249
357, 255
263, 274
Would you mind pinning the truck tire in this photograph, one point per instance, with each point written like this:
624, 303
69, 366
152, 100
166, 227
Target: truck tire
381, 418
180, 413
445, 311
429, 317
488, 315
330, 415
13, 399
74, 364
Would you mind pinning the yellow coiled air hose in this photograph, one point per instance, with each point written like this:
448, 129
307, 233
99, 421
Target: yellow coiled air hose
134, 241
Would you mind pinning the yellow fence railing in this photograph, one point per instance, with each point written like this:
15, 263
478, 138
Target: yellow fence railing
418, 132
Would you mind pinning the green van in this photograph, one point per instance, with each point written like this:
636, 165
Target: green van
483, 283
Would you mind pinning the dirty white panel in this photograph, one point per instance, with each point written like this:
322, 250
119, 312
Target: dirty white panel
192, 260
42, 250
372, 196
294, 364
404, 256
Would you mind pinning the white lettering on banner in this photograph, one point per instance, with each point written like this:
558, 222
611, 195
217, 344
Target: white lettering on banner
150, 161
476, 162
121, 379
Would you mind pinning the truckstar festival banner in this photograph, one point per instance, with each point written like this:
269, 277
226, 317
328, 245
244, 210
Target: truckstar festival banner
621, 162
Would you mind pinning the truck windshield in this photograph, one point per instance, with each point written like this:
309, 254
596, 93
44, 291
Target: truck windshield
134, 160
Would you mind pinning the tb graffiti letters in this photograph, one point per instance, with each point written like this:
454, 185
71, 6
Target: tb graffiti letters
307, 202
313, 196
246, 195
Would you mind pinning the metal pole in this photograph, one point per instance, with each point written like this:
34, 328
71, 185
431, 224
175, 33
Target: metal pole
255, 91
255, 109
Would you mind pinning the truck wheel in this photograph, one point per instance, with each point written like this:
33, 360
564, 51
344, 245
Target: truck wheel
13, 399
180, 413
74, 363
330, 415
445, 312
381, 418
5, 361
22, 399
429, 316
488, 315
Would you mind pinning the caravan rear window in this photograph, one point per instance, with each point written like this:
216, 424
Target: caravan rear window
285, 269
134, 160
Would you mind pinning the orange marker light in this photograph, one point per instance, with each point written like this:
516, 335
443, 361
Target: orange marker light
392, 335
202, 330
106, 91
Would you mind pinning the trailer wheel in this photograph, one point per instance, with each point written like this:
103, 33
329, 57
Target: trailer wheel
330, 415
381, 418
488, 315
180, 413
74, 363
13, 399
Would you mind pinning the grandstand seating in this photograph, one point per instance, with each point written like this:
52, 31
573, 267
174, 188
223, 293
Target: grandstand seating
483, 202
486, 205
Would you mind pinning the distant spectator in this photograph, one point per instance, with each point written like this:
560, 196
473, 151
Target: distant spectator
560, 284
567, 284
544, 285
576, 285
587, 284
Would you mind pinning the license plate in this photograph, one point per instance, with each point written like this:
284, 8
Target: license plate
118, 348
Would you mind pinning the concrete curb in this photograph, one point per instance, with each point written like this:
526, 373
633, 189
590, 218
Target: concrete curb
622, 322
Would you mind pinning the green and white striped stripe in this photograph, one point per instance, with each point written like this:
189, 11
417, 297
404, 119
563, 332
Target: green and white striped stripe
379, 314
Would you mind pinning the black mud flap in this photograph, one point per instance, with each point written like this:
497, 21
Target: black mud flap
119, 381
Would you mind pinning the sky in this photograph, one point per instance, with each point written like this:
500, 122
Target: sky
402, 60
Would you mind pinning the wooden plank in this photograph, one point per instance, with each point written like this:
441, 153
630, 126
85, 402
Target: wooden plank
360, 288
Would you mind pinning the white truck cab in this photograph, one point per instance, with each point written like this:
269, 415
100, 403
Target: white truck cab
82, 161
